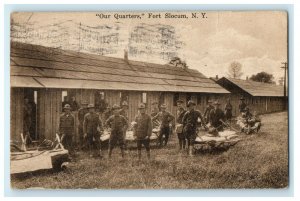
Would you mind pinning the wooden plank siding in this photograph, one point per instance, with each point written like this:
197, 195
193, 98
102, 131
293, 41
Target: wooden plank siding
16, 114
49, 106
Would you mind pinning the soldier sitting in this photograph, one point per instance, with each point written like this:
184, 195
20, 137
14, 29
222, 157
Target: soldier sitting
118, 125
254, 123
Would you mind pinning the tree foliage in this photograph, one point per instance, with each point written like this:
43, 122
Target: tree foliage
235, 70
263, 77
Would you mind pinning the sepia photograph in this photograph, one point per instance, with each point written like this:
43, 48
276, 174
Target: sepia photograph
149, 100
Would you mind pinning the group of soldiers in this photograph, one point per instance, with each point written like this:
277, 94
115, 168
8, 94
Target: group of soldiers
188, 120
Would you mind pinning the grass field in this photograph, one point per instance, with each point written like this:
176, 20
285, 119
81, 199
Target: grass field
258, 161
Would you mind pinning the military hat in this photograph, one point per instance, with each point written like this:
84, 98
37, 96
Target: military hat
179, 101
217, 103
163, 106
242, 98
141, 106
124, 103
191, 103
107, 107
90, 106
67, 106
115, 107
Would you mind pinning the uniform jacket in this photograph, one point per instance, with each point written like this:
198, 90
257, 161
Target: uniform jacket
207, 111
91, 122
81, 113
215, 116
165, 118
144, 126
124, 113
242, 107
66, 124
190, 118
117, 122
180, 114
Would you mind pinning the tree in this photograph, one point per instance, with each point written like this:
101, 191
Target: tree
263, 77
235, 70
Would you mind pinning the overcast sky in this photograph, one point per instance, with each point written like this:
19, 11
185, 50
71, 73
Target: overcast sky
258, 40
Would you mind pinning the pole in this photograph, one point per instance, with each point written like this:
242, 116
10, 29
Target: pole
284, 84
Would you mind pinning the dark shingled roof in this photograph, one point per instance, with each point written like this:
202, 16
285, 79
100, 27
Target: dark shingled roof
45, 67
256, 88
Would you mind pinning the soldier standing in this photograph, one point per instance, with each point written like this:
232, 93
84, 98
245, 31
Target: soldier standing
107, 113
67, 128
216, 117
118, 125
228, 110
242, 105
143, 130
208, 108
179, 127
165, 118
189, 121
81, 113
124, 110
91, 126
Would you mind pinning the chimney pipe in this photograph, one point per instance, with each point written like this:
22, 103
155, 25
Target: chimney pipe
247, 78
217, 77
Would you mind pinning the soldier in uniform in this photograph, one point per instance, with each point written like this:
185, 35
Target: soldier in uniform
124, 113
118, 125
67, 129
165, 118
92, 126
179, 127
189, 121
216, 117
208, 108
107, 113
81, 113
228, 110
254, 123
143, 130
242, 105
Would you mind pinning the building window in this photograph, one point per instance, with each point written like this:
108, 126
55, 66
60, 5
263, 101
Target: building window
144, 97
175, 99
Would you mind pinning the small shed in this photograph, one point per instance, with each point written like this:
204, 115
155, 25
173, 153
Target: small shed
48, 76
260, 97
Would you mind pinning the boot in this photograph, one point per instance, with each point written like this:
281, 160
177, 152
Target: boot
148, 155
183, 143
139, 154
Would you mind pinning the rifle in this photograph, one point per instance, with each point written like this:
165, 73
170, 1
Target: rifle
225, 124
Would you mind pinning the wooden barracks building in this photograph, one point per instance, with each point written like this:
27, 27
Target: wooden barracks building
47, 76
260, 97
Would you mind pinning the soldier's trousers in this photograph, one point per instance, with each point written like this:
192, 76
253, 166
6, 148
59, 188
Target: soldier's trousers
93, 139
116, 137
68, 143
164, 131
145, 142
190, 133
